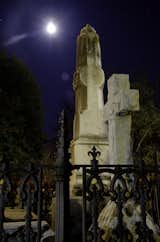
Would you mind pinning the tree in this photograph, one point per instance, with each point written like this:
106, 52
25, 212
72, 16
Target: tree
146, 122
20, 113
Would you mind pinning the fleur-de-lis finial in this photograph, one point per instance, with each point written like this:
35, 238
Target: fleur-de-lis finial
94, 153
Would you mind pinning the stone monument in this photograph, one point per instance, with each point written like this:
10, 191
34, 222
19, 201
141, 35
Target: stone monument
117, 112
89, 126
108, 127
122, 101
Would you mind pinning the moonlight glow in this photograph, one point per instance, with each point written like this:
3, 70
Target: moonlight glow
51, 28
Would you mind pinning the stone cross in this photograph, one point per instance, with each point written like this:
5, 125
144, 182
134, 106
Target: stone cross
117, 112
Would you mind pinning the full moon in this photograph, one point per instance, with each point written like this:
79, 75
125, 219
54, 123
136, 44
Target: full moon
51, 28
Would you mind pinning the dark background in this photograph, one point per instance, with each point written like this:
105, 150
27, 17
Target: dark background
129, 34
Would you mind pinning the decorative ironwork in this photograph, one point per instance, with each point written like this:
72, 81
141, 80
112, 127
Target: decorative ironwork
95, 192
30, 197
131, 188
5, 189
29, 190
142, 194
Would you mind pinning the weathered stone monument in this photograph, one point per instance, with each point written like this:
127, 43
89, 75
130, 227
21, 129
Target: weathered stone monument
89, 126
121, 102
108, 127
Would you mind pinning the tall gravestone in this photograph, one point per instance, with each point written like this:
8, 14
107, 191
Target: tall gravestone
89, 126
122, 101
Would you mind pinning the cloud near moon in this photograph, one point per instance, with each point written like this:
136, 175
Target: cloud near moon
15, 39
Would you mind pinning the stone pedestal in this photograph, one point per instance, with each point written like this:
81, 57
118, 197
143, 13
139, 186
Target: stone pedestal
82, 146
79, 153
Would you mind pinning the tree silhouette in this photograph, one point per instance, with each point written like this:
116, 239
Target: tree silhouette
146, 122
20, 113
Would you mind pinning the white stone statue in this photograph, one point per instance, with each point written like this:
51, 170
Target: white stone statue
117, 112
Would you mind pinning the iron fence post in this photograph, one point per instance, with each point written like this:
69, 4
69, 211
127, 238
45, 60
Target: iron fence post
59, 219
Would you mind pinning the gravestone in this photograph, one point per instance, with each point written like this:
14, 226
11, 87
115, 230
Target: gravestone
122, 101
92, 119
88, 82
15, 222
117, 112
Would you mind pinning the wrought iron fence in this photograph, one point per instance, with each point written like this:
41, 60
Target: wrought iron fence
132, 193
24, 188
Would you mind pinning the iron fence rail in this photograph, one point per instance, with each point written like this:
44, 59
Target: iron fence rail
32, 198
136, 183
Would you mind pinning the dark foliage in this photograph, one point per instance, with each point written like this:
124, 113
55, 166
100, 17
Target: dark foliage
20, 113
146, 122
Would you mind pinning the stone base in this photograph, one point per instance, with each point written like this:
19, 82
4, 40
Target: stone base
79, 150
79, 156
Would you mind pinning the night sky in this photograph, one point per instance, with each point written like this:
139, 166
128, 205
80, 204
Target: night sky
129, 36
